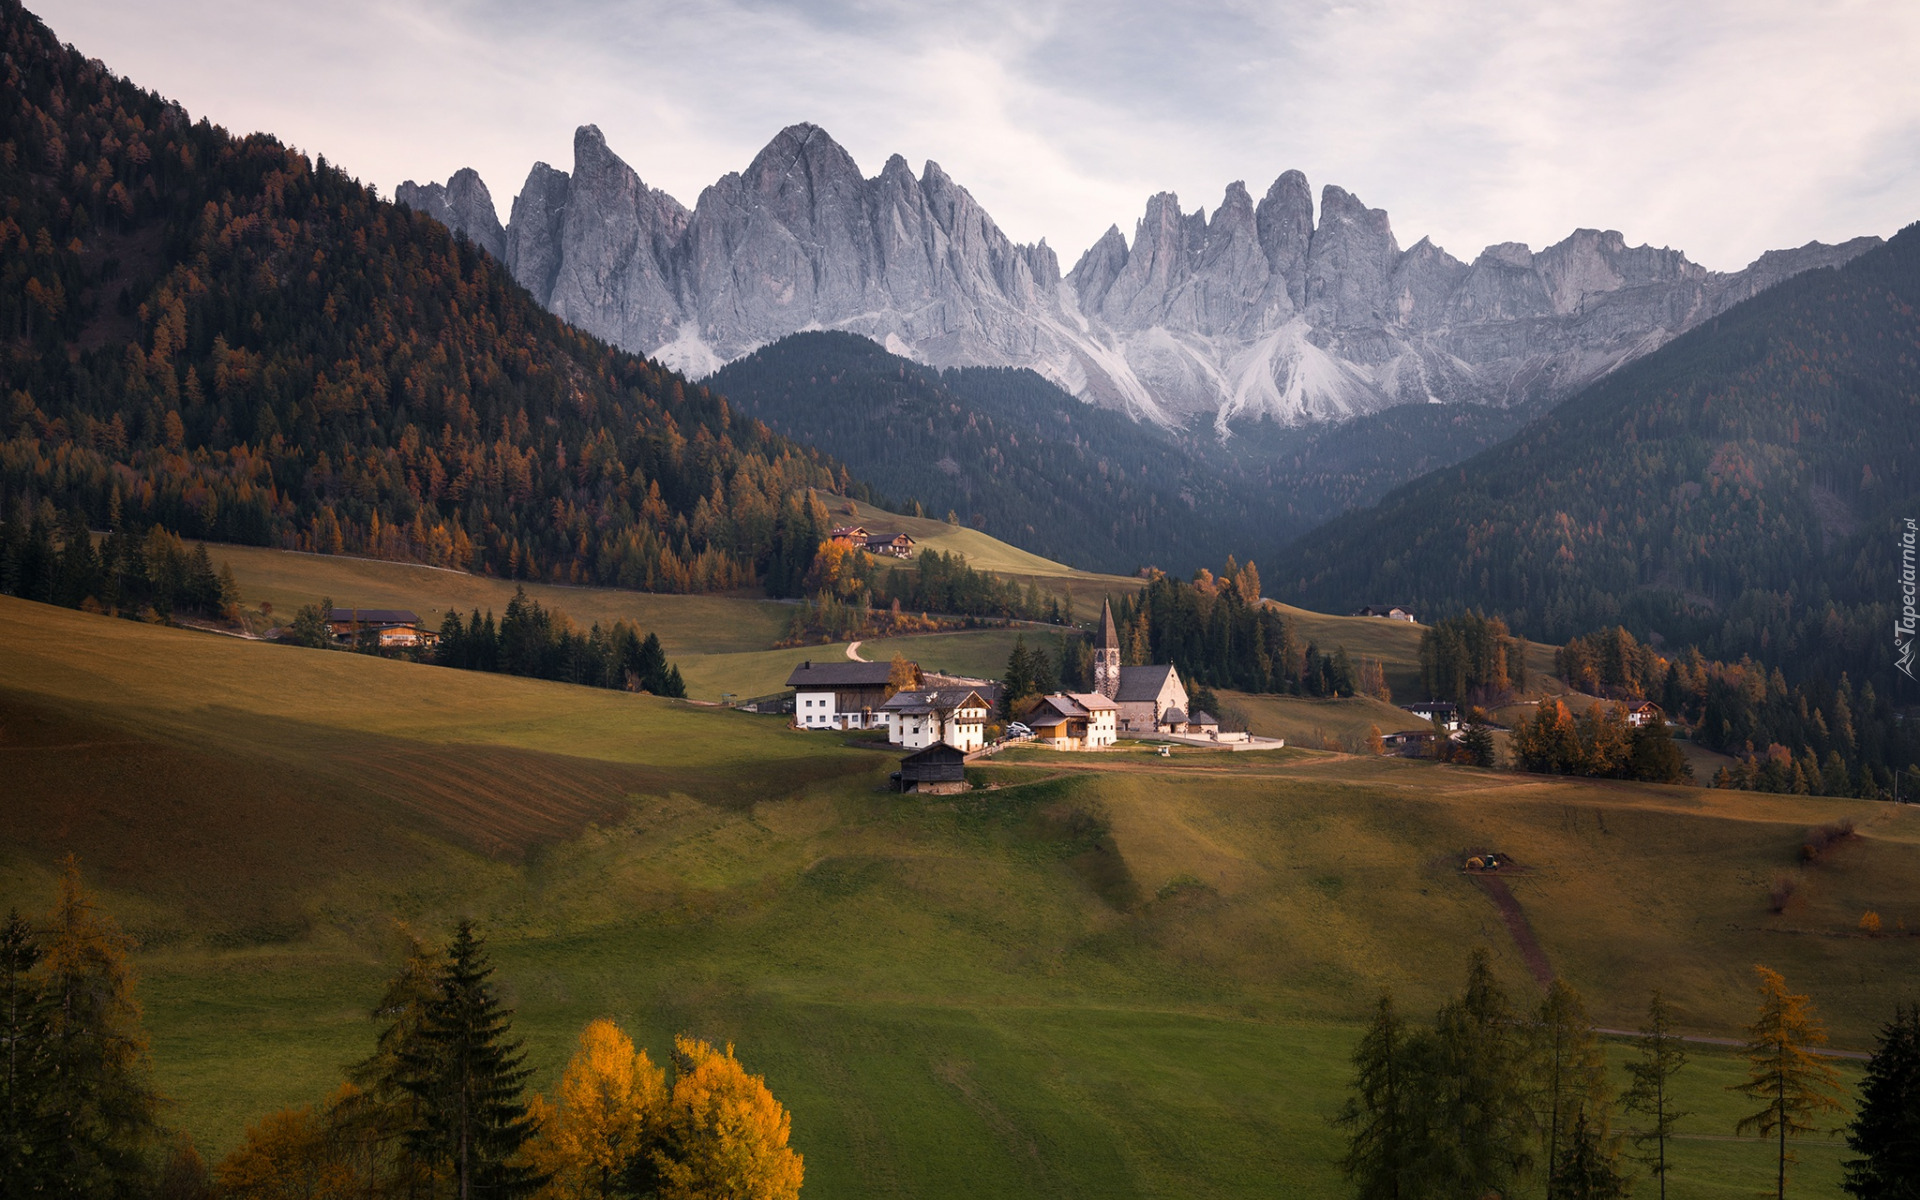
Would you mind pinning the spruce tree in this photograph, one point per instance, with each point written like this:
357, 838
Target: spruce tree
1573, 1081
1484, 1127
1017, 684
1662, 1054
26, 1135
1585, 1168
470, 1078
1886, 1129
383, 1113
1382, 1115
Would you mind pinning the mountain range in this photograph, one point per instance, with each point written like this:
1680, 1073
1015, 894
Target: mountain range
1264, 308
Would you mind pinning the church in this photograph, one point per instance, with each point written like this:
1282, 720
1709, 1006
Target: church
1150, 699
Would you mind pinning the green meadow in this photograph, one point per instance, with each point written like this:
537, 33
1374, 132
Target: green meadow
1103, 975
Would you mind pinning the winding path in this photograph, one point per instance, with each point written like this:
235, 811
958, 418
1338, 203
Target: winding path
853, 652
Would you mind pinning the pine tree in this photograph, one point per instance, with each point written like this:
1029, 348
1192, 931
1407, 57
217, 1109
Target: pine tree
1661, 1055
1478, 1108
1573, 1078
1886, 1129
1585, 1168
1381, 1114
1795, 1085
1017, 683
382, 1113
26, 1137
102, 1102
469, 1078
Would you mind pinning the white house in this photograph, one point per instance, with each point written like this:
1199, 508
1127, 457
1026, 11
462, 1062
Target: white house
1444, 714
1645, 713
1074, 721
839, 695
956, 716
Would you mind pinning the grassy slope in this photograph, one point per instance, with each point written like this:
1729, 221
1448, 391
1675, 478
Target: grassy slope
957, 998
721, 642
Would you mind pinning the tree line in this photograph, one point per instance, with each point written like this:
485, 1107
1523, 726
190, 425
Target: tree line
1813, 737
1489, 1099
1600, 743
1219, 632
218, 335
530, 640
53, 557
438, 1108
1471, 658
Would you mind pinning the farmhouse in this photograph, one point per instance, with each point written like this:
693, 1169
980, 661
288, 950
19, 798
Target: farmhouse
1443, 714
1645, 713
853, 535
839, 695
1074, 721
1150, 699
918, 719
1393, 612
899, 545
393, 626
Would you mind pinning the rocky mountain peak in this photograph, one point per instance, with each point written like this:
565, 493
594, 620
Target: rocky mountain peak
1264, 307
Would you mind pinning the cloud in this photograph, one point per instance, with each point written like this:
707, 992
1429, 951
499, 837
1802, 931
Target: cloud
1722, 127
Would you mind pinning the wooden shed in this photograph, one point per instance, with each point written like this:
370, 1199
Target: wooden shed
940, 769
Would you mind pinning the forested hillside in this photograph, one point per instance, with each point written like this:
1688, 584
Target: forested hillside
212, 333
1739, 490
1009, 453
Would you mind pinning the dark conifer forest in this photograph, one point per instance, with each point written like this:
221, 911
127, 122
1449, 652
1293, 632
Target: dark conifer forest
213, 334
1741, 491
1009, 453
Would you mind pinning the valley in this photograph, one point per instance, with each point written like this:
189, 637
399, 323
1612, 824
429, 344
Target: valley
1155, 996
1650, 518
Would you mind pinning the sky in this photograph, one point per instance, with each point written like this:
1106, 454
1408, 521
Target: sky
1719, 127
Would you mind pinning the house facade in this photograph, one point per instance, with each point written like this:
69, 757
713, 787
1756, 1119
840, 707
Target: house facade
1645, 713
898, 545
1393, 612
954, 716
839, 695
393, 626
1442, 713
1074, 721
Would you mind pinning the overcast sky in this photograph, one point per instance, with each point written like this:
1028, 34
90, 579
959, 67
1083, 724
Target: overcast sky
1721, 127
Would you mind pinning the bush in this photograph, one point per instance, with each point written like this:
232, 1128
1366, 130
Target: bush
1821, 839
1781, 893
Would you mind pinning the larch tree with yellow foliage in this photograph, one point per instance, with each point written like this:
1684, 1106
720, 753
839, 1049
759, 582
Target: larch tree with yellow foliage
726, 1134
611, 1110
1794, 1086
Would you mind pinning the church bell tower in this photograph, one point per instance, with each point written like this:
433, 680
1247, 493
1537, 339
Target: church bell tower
1106, 656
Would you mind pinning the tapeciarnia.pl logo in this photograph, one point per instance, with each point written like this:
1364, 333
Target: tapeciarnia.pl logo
1904, 624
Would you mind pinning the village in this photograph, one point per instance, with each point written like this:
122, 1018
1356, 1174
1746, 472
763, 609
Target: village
943, 721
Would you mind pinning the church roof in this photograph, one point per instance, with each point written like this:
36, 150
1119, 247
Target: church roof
1142, 683
1109, 638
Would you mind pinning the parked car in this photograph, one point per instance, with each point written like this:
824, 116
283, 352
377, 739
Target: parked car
1018, 730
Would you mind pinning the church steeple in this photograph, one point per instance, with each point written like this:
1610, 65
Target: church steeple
1106, 655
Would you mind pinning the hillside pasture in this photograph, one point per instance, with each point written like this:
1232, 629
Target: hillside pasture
1111, 975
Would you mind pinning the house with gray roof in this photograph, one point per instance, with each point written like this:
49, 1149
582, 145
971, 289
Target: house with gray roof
839, 695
